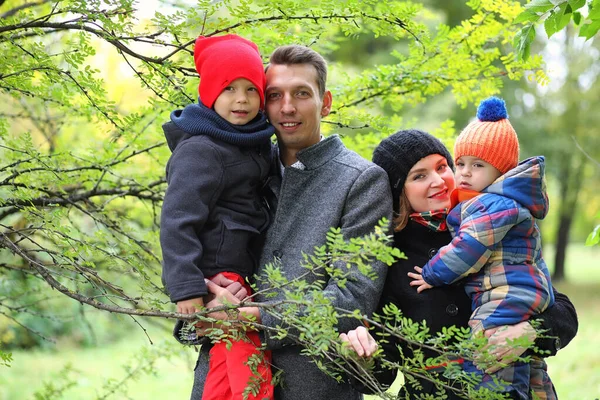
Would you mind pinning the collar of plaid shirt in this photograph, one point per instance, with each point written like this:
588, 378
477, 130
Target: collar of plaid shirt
436, 219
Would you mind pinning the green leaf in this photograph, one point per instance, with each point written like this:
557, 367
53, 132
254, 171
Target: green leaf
5, 359
557, 20
522, 41
589, 30
550, 24
594, 10
576, 4
526, 16
539, 5
594, 237
576, 18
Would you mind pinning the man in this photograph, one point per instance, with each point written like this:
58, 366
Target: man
325, 185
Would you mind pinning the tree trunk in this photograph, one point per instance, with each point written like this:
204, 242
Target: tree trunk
562, 241
570, 187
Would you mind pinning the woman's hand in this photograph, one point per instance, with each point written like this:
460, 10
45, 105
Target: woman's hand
498, 345
361, 341
418, 280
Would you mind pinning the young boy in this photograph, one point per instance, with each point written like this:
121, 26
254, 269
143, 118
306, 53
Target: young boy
212, 212
496, 242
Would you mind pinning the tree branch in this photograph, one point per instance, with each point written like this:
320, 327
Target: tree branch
15, 10
96, 167
161, 60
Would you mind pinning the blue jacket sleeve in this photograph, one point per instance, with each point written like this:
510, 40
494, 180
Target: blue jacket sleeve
484, 222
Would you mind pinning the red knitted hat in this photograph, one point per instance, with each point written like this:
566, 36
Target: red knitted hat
491, 138
221, 60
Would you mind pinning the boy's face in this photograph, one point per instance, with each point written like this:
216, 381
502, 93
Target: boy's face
239, 102
474, 174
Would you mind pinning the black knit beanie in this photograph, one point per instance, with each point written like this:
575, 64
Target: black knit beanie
398, 153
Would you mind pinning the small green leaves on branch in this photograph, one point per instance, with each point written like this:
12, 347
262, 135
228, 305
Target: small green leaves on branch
556, 15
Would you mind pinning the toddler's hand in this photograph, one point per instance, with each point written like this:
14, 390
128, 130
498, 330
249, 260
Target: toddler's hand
418, 280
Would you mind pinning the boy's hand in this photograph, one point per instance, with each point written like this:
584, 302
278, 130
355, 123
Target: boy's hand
418, 280
189, 306
232, 287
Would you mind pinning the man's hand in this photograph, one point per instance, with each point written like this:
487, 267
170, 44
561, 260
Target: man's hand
234, 287
219, 296
361, 341
418, 280
499, 347
189, 306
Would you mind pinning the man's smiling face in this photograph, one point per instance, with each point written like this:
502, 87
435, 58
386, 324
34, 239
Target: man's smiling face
293, 104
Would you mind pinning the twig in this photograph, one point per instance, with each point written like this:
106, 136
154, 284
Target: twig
584, 152
28, 328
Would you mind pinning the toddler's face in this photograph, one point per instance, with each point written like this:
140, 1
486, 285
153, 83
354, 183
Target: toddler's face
475, 174
239, 102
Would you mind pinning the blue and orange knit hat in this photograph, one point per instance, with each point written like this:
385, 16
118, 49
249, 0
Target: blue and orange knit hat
491, 138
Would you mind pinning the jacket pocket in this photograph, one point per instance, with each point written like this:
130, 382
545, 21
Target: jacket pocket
233, 248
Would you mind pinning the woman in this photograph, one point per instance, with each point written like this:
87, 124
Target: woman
420, 172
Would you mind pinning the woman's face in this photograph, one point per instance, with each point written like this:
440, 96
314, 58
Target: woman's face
429, 183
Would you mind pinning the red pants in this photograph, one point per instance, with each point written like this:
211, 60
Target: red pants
228, 374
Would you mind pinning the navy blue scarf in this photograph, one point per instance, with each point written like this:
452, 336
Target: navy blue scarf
197, 119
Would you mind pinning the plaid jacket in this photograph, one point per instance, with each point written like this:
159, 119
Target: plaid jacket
496, 247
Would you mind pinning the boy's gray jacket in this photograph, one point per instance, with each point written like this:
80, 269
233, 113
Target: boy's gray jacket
338, 188
212, 211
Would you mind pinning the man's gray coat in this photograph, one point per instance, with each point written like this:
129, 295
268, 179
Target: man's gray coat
338, 188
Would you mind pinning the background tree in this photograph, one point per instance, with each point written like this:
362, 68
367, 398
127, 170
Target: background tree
561, 112
556, 15
82, 169
562, 115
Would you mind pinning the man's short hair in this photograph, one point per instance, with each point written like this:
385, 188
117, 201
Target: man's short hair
296, 54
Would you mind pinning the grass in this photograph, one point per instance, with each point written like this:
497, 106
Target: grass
168, 378
575, 371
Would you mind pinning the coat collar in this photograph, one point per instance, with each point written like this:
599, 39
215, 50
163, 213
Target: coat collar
318, 154
312, 158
